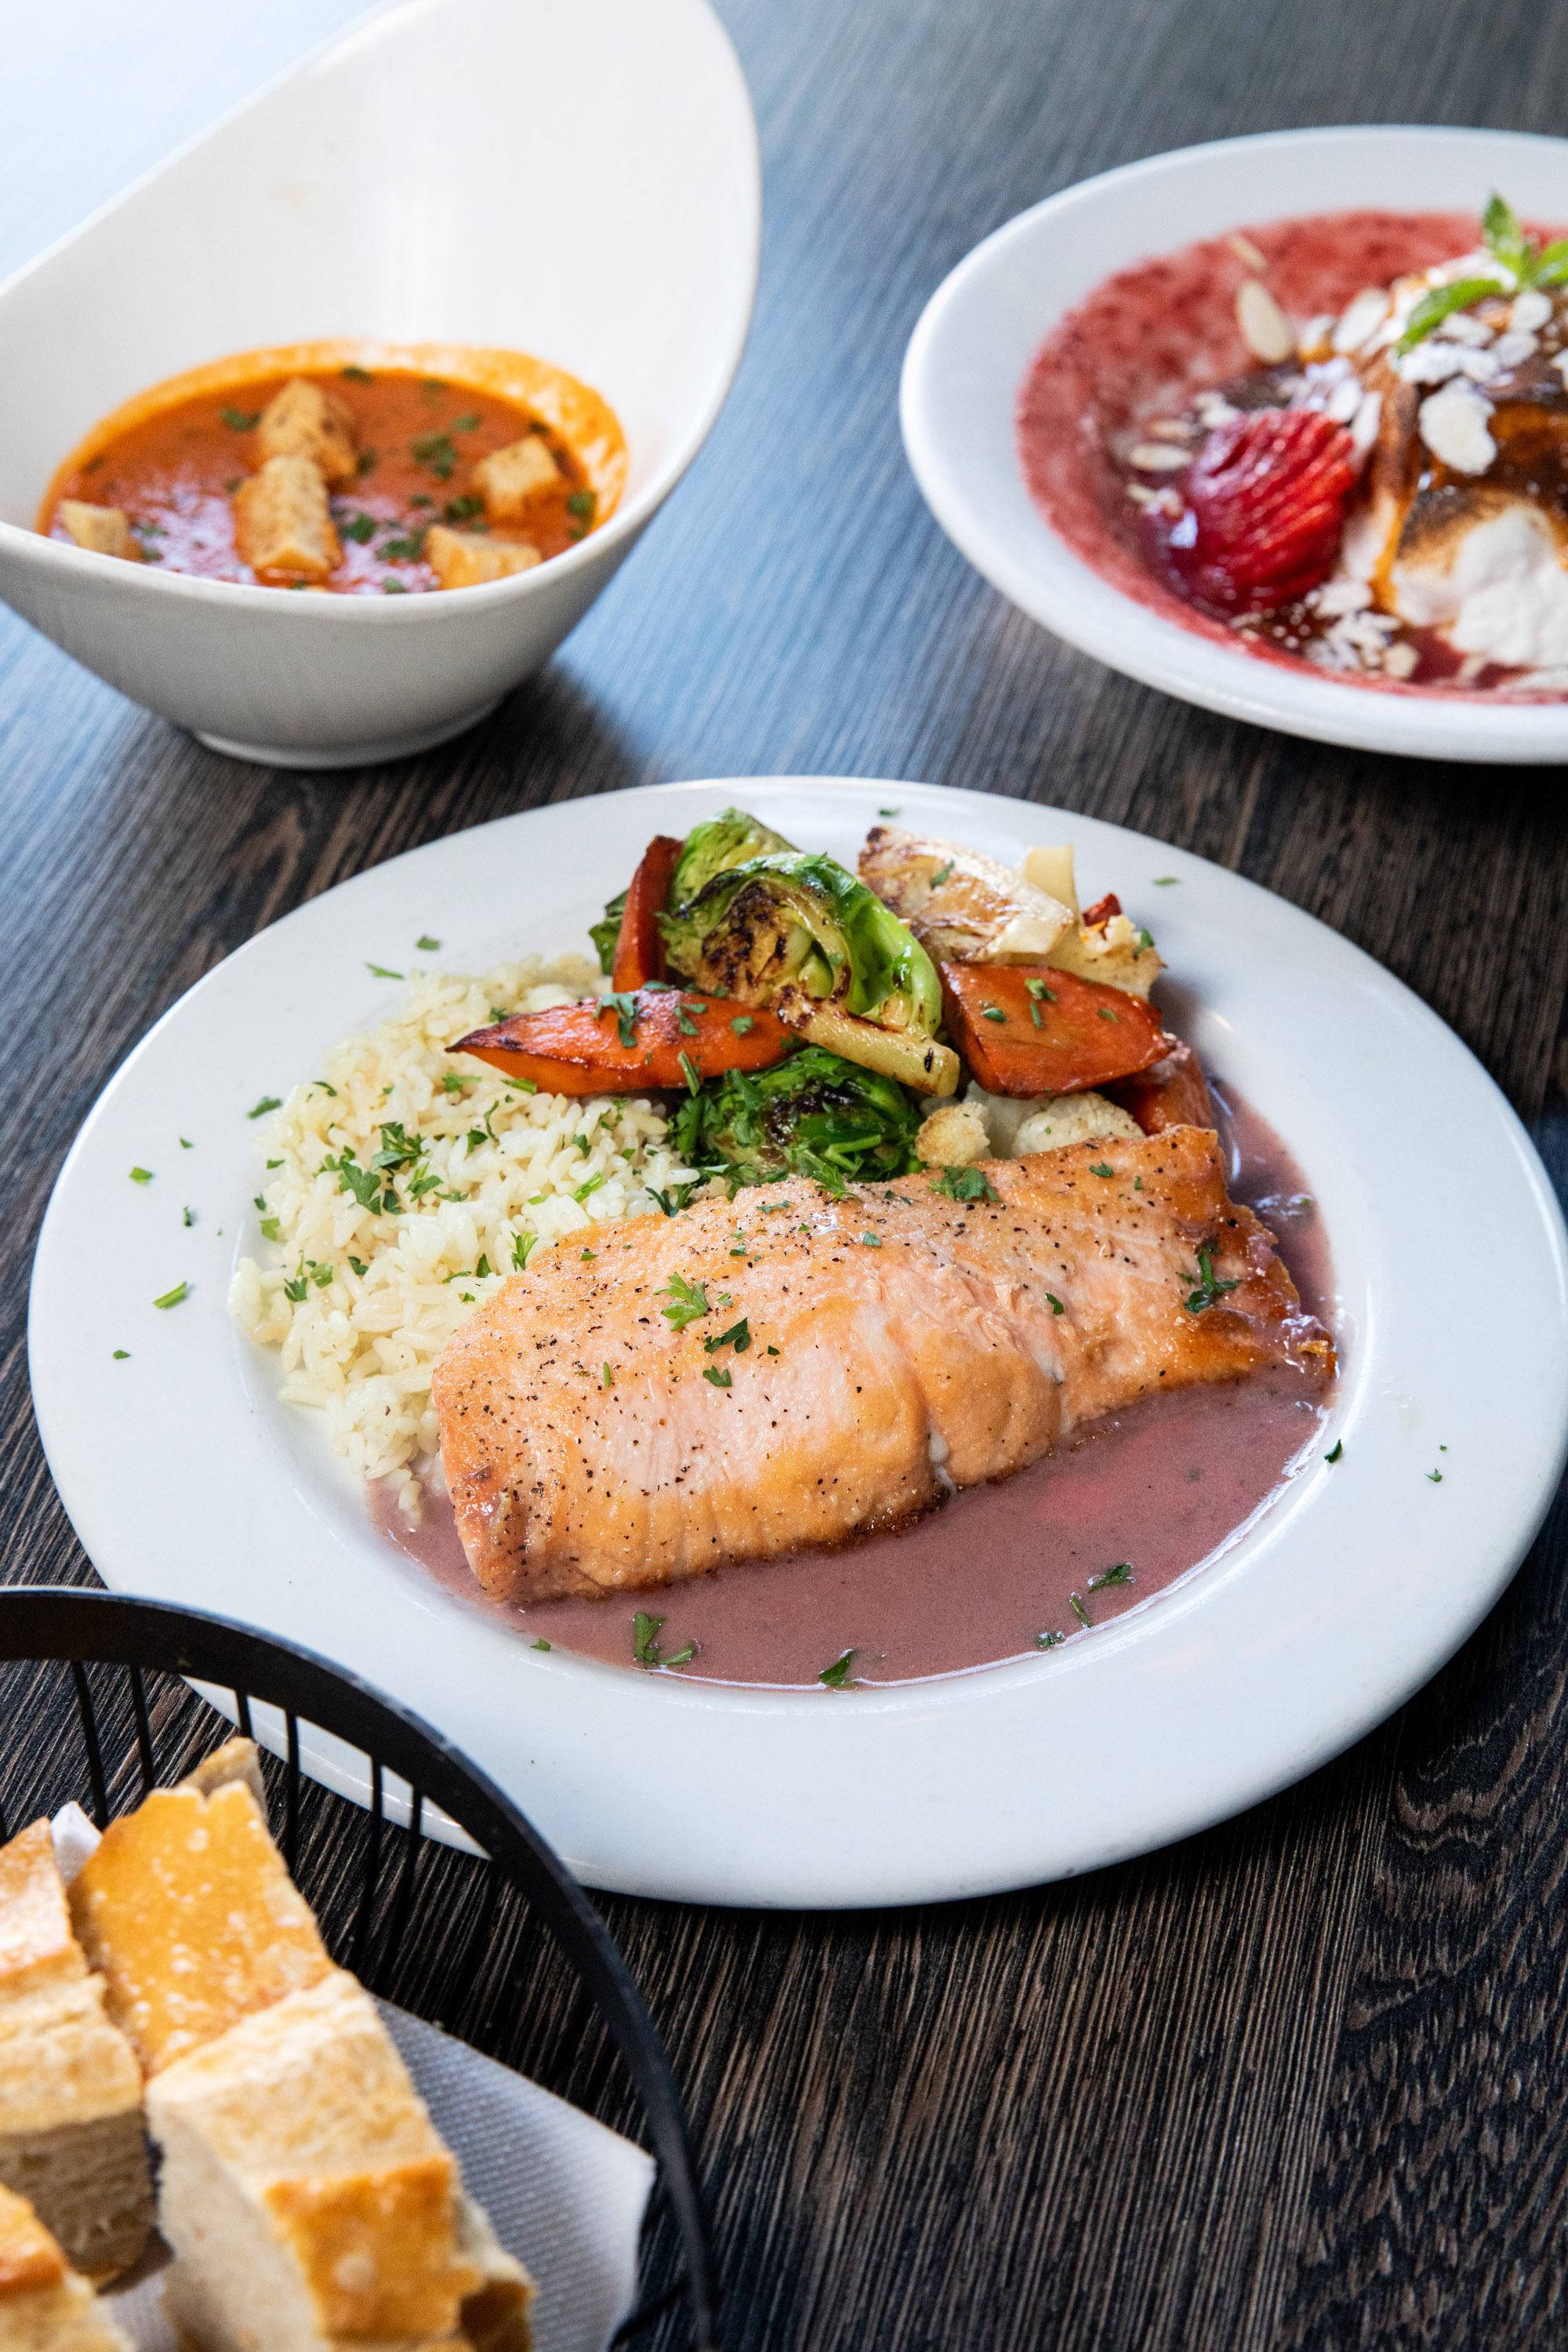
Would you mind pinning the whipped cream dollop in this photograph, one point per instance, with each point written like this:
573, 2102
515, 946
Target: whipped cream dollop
1502, 595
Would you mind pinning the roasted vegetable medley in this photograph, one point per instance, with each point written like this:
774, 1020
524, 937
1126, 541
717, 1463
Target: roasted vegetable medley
820, 1022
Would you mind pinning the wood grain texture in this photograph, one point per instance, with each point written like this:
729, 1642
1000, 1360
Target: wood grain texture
1296, 2081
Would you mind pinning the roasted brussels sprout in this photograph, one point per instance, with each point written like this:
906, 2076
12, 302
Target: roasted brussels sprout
731, 838
607, 931
815, 1115
799, 919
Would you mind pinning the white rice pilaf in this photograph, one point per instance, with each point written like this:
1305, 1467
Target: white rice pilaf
361, 1300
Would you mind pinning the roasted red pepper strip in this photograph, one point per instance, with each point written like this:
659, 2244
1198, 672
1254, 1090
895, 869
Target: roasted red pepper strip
639, 944
1173, 1092
1043, 1032
674, 1036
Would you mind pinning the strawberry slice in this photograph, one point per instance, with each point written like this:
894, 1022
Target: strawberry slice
1266, 503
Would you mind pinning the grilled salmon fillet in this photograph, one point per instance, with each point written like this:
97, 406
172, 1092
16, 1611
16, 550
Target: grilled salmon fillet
794, 1369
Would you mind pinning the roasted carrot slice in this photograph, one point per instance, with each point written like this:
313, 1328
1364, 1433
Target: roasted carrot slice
1172, 1092
639, 945
630, 1042
1044, 1032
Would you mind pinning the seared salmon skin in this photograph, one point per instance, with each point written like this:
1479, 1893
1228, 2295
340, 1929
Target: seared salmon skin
794, 1368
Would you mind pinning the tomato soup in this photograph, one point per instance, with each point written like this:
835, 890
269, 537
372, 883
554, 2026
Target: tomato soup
403, 485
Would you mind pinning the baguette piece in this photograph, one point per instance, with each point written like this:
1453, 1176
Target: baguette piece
310, 2199
70, 2090
45, 2306
188, 1911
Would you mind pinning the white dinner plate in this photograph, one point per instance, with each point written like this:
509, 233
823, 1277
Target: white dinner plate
186, 1480
974, 345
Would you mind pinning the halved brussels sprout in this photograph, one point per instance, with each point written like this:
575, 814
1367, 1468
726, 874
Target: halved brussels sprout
798, 918
815, 1115
731, 838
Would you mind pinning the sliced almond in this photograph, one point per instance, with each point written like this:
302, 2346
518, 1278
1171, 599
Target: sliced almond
1362, 319
1265, 329
1245, 250
1157, 458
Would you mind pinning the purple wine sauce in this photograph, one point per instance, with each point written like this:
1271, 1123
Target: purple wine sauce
1156, 1490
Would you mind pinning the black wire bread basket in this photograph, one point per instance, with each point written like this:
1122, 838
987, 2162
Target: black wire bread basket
95, 1706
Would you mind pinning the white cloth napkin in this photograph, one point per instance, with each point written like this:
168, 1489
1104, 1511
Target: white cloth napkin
564, 2194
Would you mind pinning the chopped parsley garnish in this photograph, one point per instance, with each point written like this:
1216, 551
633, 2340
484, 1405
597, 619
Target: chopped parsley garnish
737, 1336
719, 1379
267, 1102
427, 1181
359, 528
1120, 1574
743, 1024
684, 1023
587, 1253
365, 463
1435, 1476
241, 420
436, 451
625, 1008
965, 1184
993, 1013
188, 1216
523, 1085
454, 1081
384, 971
406, 548
399, 1148
941, 874
459, 509
590, 1184
173, 1298
1163, 881
678, 1196
321, 1275
607, 1375
523, 1248
541, 1643
1102, 1168
141, 1175
1053, 1303
364, 1183
892, 812
466, 424
1208, 1290
498, 1013
359, 1265
393, 588
295, 1290
1336, 1452
585, 1144
693, 1083
326, 1089
691, 1302
187, 1145
1106, 1014
1145, 939
1037, 989
269, 1229
357, 375
870, 1241
419, 500
432, 387
646, 1632
836, 1676
122, 1355
1049, 1641
1079, 1611
582, 504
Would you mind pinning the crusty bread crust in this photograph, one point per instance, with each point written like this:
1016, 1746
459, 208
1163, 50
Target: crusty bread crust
188, 1912
29, 2258
36, 1947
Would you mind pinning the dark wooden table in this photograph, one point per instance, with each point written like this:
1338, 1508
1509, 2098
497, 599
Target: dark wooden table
1299, 2080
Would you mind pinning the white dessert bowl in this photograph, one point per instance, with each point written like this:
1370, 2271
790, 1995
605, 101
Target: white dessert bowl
966, 362
580, 185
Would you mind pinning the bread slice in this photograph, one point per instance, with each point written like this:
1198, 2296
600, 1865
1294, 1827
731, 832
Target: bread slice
70, 2090
45, 2306
310, 2201
188, 1911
